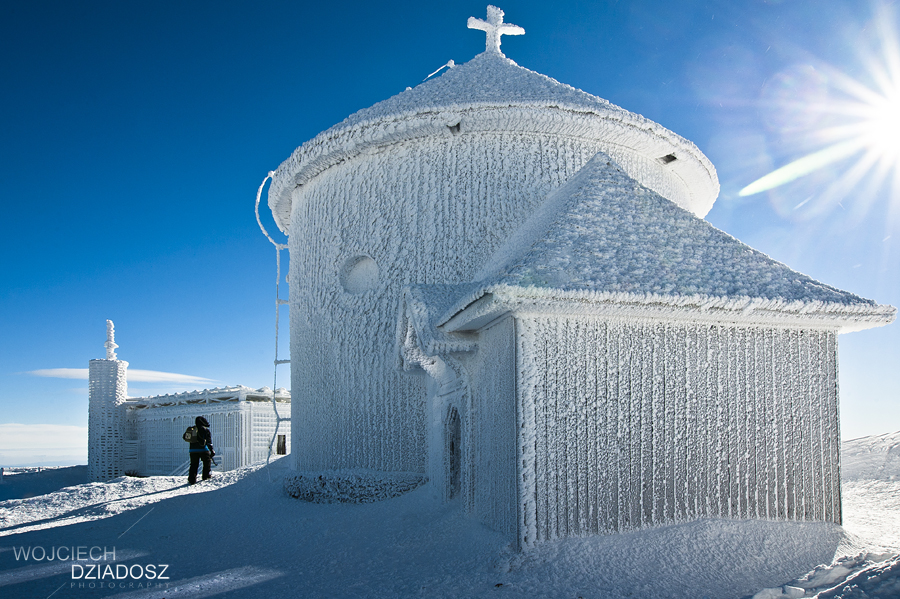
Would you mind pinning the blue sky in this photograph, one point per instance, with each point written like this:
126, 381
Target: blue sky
135, 136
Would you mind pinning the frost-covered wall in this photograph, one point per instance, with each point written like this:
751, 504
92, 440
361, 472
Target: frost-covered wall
107, 391
241, 432
644, 423
493, 436
429, 210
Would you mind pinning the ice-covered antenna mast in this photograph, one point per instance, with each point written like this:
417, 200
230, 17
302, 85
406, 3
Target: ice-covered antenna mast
110, 340
494, 27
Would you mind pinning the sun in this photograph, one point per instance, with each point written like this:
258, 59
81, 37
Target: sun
863, 122
881, 128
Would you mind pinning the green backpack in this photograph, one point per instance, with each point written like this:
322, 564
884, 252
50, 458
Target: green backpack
191, 435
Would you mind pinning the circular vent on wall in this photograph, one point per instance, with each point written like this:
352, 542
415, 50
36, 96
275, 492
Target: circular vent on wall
359, 274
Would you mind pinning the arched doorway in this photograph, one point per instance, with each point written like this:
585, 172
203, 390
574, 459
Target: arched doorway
454, 453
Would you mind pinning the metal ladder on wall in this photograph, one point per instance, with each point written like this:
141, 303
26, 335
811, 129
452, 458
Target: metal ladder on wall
279, 247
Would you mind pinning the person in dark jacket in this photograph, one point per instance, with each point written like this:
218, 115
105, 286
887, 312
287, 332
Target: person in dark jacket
201, 450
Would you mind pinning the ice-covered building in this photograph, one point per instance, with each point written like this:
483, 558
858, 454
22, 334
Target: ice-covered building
142, 435
506, 285
242, 422
107, 393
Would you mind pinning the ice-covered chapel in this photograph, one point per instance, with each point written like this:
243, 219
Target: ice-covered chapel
505, 285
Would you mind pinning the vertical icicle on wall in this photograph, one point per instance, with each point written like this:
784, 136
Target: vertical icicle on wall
645, 423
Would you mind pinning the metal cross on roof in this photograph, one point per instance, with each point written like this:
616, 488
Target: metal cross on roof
494, 27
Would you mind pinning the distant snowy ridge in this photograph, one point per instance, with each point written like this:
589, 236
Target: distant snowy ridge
871, 458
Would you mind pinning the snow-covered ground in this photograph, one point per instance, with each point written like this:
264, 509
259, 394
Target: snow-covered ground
239, 535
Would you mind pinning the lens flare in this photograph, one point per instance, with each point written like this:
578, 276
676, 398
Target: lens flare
862, 121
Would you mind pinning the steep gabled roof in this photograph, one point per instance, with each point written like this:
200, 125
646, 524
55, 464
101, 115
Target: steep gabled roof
603, 231
604, 237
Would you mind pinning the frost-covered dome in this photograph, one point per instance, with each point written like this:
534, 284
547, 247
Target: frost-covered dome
493, 93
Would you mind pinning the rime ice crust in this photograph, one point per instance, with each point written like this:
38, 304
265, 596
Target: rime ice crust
107, 432
492, 94
656, 370
505, 284
430, 210
350, 486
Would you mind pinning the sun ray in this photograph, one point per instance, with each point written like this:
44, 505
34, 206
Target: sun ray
855, 119
802, 166
865, 197
845, 185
